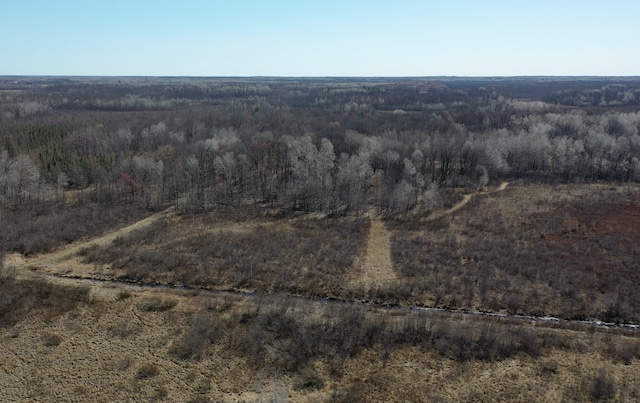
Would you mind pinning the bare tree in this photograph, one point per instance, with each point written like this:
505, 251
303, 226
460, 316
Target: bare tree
23, 178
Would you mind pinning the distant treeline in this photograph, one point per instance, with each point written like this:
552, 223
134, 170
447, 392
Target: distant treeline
331, 145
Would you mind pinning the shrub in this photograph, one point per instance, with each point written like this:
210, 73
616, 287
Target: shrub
352, 394
124, 330
309, 256
282, 340
43, 227
156, 304
205, 330
123, 294
147, 370
309, 381
603, 387
52, 340
18, 298
623, 350
548, 367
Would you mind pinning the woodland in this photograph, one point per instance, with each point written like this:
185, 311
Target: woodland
334, 146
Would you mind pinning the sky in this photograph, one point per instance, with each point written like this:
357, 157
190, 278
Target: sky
320, 38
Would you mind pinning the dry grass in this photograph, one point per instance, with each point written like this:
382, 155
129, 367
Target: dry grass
21, 298
117, 342
568, 251
43, 228
307, 256
374, 267
209, 348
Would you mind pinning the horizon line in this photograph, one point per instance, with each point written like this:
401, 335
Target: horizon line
313, 76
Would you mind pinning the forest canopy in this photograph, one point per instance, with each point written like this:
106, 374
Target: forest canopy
330, 145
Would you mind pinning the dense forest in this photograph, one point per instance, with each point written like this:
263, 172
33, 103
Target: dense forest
336, 146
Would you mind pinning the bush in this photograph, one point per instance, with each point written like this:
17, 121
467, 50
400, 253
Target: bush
205, 330
282, 340
52, 340
464, 341
308, 257
19, 298
125, 329
603, 387
309, 381
147, 370
623, 350
44, 227
548, 367
279, 339
352, 394
156, 304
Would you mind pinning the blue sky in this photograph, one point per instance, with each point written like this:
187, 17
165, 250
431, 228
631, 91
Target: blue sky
319, 38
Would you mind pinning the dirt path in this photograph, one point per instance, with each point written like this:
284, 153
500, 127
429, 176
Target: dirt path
65, 265
375, 267
50, 262
465, 200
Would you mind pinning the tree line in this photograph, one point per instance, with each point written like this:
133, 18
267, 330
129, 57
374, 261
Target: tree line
338, 154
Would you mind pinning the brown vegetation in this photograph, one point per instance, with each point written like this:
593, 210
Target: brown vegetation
301, 255
43, 228
559, 251
331, 212
210, 348
21, 298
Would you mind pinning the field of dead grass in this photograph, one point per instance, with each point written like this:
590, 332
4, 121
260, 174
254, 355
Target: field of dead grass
568, 250
300, 255
526, 249
156, 345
